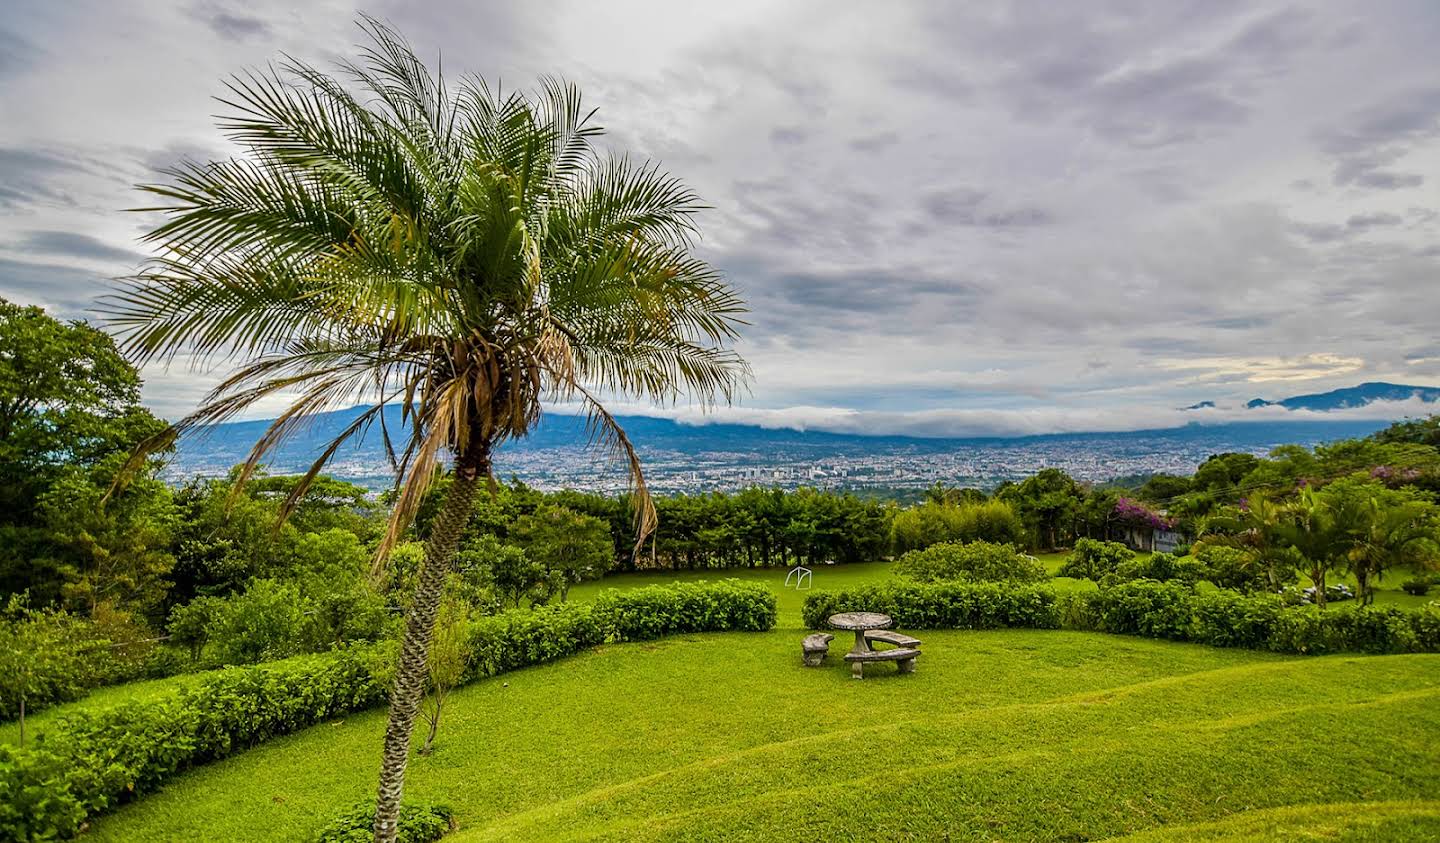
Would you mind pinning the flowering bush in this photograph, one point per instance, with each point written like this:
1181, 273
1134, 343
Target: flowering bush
1129, 511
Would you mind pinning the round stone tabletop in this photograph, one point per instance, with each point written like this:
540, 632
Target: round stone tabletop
860, 620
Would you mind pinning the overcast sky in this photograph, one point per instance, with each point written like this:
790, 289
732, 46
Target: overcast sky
946, 218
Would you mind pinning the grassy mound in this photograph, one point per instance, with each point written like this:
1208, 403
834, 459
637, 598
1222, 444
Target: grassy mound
1012, 735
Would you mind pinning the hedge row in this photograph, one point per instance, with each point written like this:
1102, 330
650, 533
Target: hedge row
1219, 617
950, 605
1226, 618
90, 762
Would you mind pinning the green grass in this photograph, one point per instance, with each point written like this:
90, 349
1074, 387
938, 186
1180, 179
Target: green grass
998, 735
1014, 735
97, 699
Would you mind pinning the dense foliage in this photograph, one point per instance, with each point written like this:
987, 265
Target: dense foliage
69, 414
89, 763
977, 561
968, 520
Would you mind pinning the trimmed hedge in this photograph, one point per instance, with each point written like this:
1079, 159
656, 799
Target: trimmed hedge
942, 605
970, 562
1220, 617
1225, 618
89, 763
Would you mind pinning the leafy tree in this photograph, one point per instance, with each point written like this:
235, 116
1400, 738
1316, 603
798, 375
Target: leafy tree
69, 407
1048, 502
508, 569
1424, 431
67, 398
349, 611
46, 656
954, 495
191, 623
1238, 568
1161, 488
933, 523
263, 622
459, 251
1220, 474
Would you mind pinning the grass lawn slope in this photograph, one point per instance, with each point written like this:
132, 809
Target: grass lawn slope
999, 735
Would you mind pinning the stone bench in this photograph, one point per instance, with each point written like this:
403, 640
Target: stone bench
814, 648
885, 636
903, 657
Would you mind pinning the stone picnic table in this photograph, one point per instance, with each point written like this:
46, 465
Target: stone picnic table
860, 623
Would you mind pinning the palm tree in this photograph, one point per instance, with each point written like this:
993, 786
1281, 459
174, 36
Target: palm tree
1390, 533
1255, 526
1318, 533
462, 253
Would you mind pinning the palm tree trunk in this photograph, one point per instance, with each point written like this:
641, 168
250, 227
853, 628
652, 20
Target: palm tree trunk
409, 684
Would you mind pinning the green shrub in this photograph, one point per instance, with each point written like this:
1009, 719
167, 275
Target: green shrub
1147, 608
1418, 586
659, 610
942, 605
976, 562
1162, 567
932, 523
261, 623
346, 613
1233, 567
88, 763
1092, 559
419, 823
48, 656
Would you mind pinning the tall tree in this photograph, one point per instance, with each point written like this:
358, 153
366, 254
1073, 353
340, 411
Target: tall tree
390, 237
69, 413
1320, 528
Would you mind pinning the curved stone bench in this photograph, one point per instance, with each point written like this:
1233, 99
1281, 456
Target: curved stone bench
904, 658
886, 636
815, 647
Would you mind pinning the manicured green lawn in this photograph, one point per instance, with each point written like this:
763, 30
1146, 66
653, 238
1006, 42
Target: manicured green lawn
1017, 735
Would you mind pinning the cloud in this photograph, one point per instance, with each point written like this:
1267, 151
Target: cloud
1375, 138
949, 209
1266, 369
947, 423
16, 54
788, 135
81, 246
67, 290
231, 23
29, 175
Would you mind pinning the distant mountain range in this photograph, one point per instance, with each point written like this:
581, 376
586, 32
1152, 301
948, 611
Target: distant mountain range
706, 456
1350, 397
